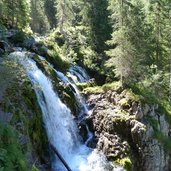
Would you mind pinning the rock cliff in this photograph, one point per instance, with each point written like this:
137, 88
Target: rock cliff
129, 132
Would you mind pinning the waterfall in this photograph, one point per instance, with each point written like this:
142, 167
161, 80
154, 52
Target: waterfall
78, 74
61, 129
82, 105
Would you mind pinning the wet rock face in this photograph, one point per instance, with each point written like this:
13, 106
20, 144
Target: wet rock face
4, 46
125, 128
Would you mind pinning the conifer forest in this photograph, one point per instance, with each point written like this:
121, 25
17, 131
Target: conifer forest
85, 85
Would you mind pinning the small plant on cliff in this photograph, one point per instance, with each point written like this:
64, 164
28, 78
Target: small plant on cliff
125, 162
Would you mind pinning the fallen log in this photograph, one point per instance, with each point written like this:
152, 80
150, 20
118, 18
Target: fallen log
60, 157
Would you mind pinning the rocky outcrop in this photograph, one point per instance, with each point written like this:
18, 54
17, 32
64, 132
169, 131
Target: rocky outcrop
124, 127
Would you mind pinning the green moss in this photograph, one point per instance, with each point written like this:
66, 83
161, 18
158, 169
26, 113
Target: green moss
93, 90
34, 125
153, 122
11, 155
23, 104
125, 103
102, 89
83, 86
112, 86
120, 118
53, 54
167, 144
165, 108
56, 59
125, 163
130, 95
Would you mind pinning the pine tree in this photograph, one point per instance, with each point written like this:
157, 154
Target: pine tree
23, 13
50, 9
156, 18
39, 21
128, 44
15, 13
100, 26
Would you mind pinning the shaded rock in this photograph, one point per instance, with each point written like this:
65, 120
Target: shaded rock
139, 113
1, 51
23, 139
134, 107
5, 117
4, 46
146, 109
112, 146
10, 33
29, 43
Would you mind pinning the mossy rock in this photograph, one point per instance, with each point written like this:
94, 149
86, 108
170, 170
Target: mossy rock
83, 86
51, 52
22, 102
114, 86
93, 90
125, 103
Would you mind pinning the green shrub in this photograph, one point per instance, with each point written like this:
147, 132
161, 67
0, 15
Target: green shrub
11, 155
125, 163
57, 60
19, 37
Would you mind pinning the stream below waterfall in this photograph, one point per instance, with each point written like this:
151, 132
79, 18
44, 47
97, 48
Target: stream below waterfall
60, 126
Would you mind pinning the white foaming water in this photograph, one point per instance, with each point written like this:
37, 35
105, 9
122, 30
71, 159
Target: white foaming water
78, 74
60, 126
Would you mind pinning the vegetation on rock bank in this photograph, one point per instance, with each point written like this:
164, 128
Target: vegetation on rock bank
23, 137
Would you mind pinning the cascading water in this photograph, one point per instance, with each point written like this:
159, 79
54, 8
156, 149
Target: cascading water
83, 77
60, 126
78, 74
82, 105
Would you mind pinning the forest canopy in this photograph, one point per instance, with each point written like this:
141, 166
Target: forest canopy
127, 40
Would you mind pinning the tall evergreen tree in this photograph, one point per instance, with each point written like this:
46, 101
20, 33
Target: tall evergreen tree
50, 9
15, 13
39, 21
128, 43
99, 20
65, 19
156, 18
